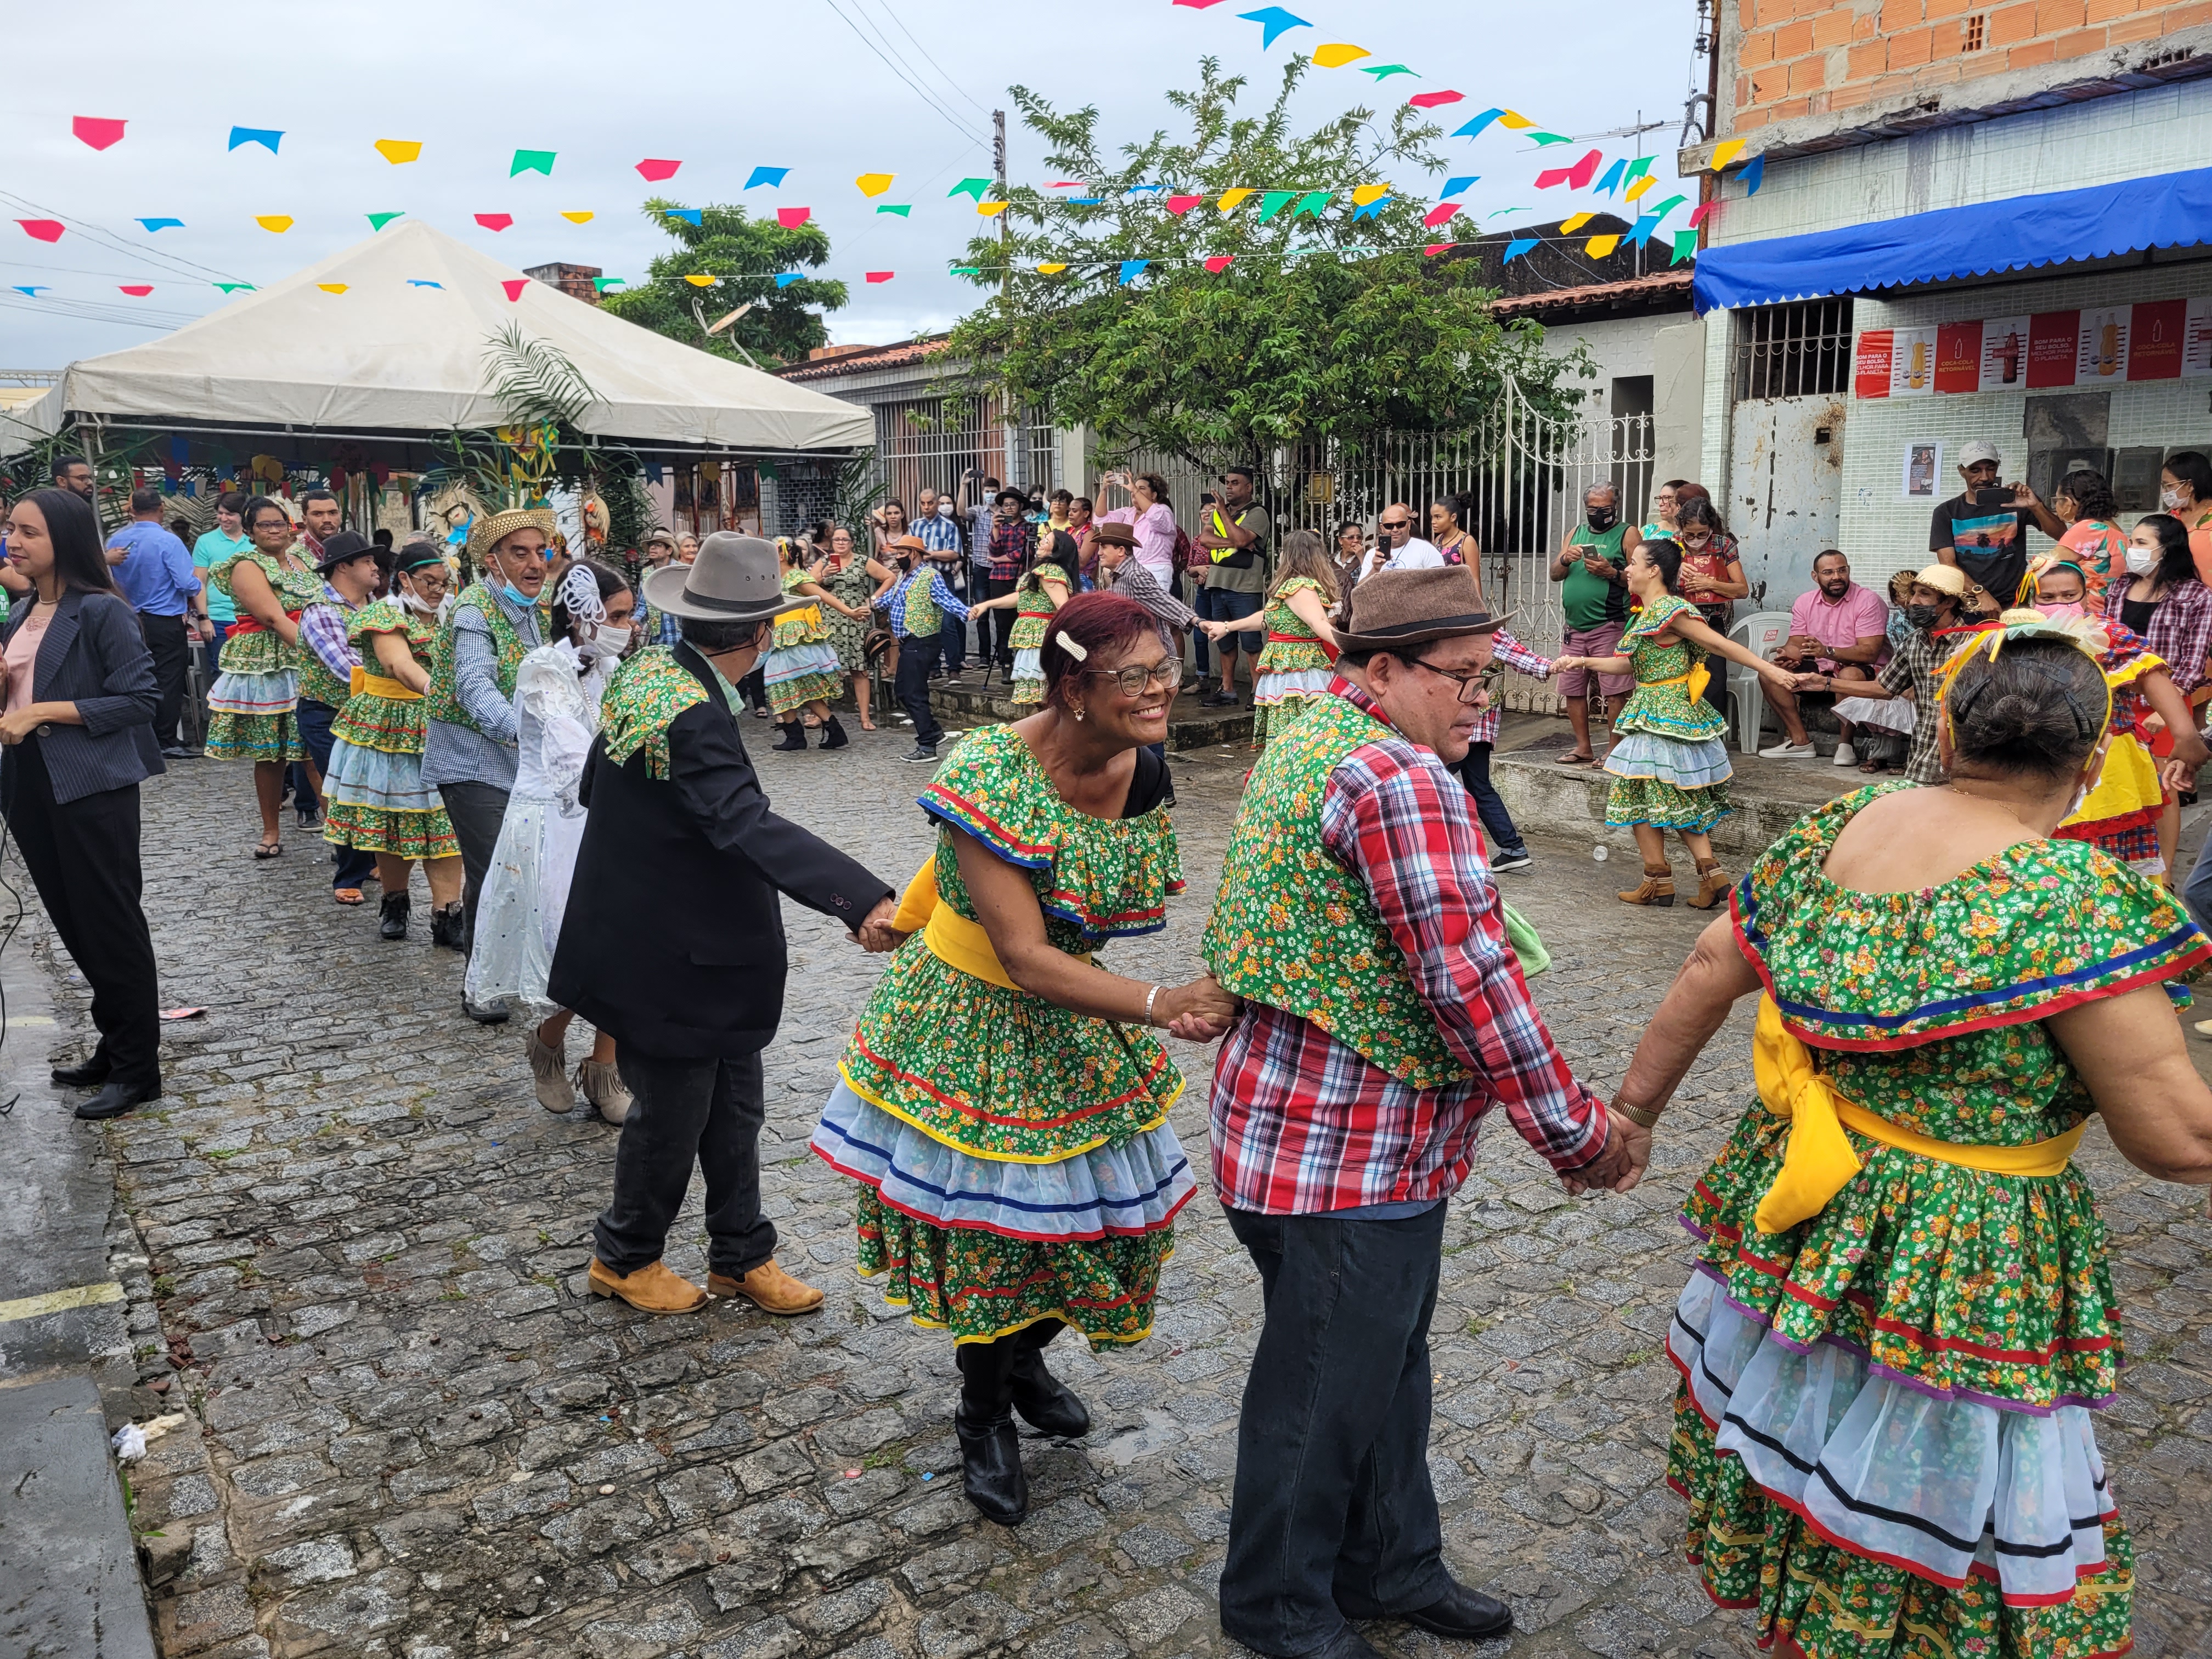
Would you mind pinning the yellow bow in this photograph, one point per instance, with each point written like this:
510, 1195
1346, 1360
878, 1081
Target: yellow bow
952, 938
1697, 680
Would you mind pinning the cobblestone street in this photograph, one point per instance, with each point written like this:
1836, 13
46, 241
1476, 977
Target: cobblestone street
417, 1435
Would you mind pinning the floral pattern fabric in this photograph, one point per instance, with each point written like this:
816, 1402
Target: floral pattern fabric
1669, 736
508, 649
251, 706
643, 699
378, 801
848, 635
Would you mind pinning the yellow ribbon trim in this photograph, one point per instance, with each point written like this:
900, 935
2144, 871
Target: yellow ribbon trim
952, 938
1697, 680
377, 686
1818, 1160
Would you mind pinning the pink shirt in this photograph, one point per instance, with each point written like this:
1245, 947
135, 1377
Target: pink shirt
23, 657
1859, 614
1156, 534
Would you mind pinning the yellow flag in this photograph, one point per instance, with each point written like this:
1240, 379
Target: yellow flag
1515, 119
874, 184
990, 210
1338, 54
1363, 194
578, 218
332, 287
1230, 198
275, 224
1568, 227
1598, 247
700, 282
1050, 270
396, 151
1724, 154
1638, 187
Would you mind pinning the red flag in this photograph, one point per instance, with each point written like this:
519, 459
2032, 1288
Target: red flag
1705, 209
1180, 206
653, 172
136, 290
791, 218
495, 221
1440, 215
881, 276
1435, 248
1584, 171
96, 132
44, 230
1430, 100
1220, 263
1550, 176
514, 285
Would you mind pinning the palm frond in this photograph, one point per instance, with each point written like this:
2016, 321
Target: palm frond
533, 380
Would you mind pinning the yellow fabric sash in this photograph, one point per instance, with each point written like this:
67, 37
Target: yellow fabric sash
377, 686
2127, 782
1818, 1160
952, 938
1697, 680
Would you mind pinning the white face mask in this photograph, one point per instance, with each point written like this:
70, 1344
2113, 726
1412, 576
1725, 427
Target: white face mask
414, 602
603, 640
2141, 561
945, 509
2170, 500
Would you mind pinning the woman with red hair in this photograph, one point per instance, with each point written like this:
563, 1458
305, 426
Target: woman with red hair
1000, 1104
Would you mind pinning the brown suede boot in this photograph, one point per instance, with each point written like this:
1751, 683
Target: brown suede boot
1658, 888
769, 1288
1712, 886
652, 1288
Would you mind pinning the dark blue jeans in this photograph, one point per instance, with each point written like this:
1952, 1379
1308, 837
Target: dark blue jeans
917, 656
1221, 605
1333, 1515
1474, 773
354, 866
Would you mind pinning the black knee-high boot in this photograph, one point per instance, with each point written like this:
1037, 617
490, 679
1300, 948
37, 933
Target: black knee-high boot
990, 1450
1046, 1403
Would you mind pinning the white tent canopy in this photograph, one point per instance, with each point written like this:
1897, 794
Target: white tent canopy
402, 349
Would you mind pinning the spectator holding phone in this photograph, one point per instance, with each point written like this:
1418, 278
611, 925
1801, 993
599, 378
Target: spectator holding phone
1983, 531
1152, 516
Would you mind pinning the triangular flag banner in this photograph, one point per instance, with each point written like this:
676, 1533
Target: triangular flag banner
1180, 206
135, 290
514, 285
1725, 153
1548, 138
1568, 226
24, 288
1700, 213
531, 161
269, 137
1637, 169
785, 279
1273, 21
275, 223
1441, 214
1084, 201
1550, 176
1363, 194
1432, 99
152, 225
1754, 175
874, 184
1611, 182
95, 130
689, 216
1453, 186
1515, 119
1385, 71
1373, 209
990, 210
1273, 201
901, 208
1662, 209
1220, 263
654, 172
793, 218
332, 287
1519, 246
1640, 187
1052, 270
1685, 244
967, 271
400, 151
881, 276
1198, 5
1598, 247
1230, 198
699, 281
974, 187
583, 217
377, 220
1641, 233
424, 282
772, 177
601, 284
1474, 128
495, 221
232, 288
1584, 171
41, 230
1132, 269
1435, 248
1337, 54
1313, 202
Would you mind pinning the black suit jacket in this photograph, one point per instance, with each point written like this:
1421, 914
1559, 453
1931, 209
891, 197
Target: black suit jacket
94, 656
672, 940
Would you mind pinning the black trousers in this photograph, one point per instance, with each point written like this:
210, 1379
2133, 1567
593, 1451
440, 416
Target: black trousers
165, 639
476, 810
1333, 1515
83, 859
917, 656
994, 629
316, 719
684, 1110
1474, 773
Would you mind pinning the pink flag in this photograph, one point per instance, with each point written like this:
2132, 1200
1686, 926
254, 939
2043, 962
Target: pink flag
1440, 215
1697, 216
514, 285
653, 172
136, 290
1550, 176
495, 221
44, 230
1431, 100
95, 130
1584, 171
1435, 248
791, 218
881, 276
1182, 205
1220, 263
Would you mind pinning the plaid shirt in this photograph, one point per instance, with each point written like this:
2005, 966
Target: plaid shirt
1011, 540
1133, 582
1915, 667
2180, 631
323, 631
1302, 1123
936, 532
928, 576
1510, 653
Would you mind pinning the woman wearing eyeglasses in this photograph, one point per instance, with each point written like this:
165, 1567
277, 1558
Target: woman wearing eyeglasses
1001, 1103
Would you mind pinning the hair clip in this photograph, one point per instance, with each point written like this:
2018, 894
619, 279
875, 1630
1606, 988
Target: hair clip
1073, 648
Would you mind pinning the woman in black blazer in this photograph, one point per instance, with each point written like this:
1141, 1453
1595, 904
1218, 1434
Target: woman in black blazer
79, 736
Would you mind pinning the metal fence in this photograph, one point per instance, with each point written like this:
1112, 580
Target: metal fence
1519, 475
930, 442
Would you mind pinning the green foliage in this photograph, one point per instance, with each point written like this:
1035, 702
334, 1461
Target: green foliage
1325, 327
744, 255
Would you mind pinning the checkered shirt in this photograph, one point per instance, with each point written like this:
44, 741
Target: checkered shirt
2180, 631
936, 532
1011, 539
1511, 654
1302, 1123
323, 631
1916, 668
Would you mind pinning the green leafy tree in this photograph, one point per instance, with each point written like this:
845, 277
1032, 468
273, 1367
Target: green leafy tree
744, 255
1324, 325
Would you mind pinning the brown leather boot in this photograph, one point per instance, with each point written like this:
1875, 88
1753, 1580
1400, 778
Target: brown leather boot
769, 1288
1658, 888
652, 1288
1712, 886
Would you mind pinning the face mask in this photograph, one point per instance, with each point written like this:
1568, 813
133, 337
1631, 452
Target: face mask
945, 509
2063, 612
414, 602
1922, 616
603, 640
1601, 517
2170, 500
2141, 561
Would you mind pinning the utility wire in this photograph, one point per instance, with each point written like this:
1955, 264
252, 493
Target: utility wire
924, 51
901, 74
176, 262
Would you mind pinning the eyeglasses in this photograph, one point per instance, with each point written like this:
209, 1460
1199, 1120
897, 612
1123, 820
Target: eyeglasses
1470, 685
1397, 523
1135, 679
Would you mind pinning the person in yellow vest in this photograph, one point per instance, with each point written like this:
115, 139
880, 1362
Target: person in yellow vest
1384, 1014
1901, 1321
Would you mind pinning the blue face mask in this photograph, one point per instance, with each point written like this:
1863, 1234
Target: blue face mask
521, 599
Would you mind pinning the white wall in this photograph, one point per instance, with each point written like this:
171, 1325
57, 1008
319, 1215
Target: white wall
1619, 346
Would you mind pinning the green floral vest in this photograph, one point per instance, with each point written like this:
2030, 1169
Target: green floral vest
1292, 928
642, 700
917, 603
439, 702
317, 682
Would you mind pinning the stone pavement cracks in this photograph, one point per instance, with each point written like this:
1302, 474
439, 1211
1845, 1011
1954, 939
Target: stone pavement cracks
416, 1434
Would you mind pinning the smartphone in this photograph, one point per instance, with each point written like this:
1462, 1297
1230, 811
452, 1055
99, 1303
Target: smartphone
1993, 500
1207, 499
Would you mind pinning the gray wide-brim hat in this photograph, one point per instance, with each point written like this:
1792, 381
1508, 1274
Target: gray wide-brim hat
734, 578
1394, 609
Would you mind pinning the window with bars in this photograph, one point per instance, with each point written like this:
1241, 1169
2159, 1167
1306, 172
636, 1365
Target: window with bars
932, 442
1799, 351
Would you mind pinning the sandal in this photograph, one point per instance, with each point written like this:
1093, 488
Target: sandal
1873, 767
269, 849
1571, 758
346, 895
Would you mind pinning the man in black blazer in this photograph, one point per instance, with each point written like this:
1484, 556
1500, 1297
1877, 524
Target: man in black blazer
672, 940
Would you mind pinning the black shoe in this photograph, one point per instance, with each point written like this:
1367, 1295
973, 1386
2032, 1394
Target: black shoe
1462, 1614
392, 916
118, 1097
990, 1467
1517, 859
493, 1013
175, 751
1045, 1402
449, 926
923, 755
833, 735
1220, 700
794, 736
85, 1074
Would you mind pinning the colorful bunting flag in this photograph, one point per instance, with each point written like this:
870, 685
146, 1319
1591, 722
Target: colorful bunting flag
1230, 198
901, 208
29, 289
1132, 269
1637, 169
1434, 100
1372, 209
1519, 246
1337, 54
1598, 247
152, 225
1552, 176
135, 290
691, 215
1685, 244
530, 160
967, 271
1700, 213
1441, 214
1541, 139
1273, 22
1180, 206
580, 216
1385, 71
399, 151
1584, 171
1574, 223
1053, 269
1273, 201
424, 282
1662, 209
1474, 128
1198, 5
1640, 234
1611, 182
881, 276
700, 282
990, 210
42, 230
275, 223
1725, 153
514, 285
269, 138
332, 287
1754, 175
1435, 248
772, 177
972, 187
1640, 188
1363, 194
1084, 201
232, 288
874, 184
495, 221
95, 130
1515, 119
1453, 186
793, 218
1146, 190
377, 220
785, 279
1312, 202
657, 172
1220, 263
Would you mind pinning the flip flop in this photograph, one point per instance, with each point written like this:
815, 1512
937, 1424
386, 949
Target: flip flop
269, 850
1571, 758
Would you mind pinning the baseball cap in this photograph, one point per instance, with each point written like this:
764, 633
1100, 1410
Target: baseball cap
1981, 449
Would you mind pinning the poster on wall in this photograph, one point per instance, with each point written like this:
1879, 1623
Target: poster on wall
2004, 355
2102, 354
1959, 357
1912, 362
2101, 346
1871, 363
2054, 339
1924, 462
2154, 335
2196, 337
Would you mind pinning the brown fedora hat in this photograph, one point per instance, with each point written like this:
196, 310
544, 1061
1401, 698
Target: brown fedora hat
735, 578
1113, 535
1393, 610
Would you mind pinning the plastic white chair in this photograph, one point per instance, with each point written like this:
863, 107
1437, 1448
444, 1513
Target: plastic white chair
1761, 632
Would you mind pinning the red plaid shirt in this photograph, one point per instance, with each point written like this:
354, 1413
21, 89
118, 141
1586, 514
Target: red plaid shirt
1011, 542
1301, 1123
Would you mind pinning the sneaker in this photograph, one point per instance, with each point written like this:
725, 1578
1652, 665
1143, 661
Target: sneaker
1845, 756
1791, 751
921, 755
1517, 859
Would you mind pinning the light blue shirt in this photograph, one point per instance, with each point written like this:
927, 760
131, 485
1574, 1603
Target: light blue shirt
213, 547
157, 574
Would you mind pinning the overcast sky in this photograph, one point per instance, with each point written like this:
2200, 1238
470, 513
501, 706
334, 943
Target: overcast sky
722, 89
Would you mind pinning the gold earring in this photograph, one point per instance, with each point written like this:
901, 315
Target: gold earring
1077, 713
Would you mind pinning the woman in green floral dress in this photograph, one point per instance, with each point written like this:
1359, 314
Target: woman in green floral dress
1902, 1315
1001, 1105
1298, 660
1669, 766
1043, 589
253, 705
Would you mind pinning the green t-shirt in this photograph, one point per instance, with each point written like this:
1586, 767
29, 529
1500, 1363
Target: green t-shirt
1591, 601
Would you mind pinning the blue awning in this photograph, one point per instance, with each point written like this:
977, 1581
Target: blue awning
2173, 209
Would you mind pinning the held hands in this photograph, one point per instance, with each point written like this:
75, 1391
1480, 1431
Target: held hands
1197, 1012
1620, 1166
875, 935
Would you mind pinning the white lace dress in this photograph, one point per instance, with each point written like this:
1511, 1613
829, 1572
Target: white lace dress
556, 706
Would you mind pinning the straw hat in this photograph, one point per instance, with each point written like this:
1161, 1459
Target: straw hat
1944, 579
1393, 610
492, 528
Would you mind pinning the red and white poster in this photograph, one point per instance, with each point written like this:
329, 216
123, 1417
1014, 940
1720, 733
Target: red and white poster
2155, 330
2004, 355
1871, 363
1912, 362
2103, 358
2054, 338
2100, 346
2196, 339
1959, 357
